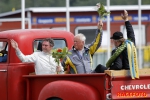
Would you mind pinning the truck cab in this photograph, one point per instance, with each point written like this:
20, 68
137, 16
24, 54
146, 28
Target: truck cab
12, 84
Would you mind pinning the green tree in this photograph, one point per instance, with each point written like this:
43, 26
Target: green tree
45, 3
8, 5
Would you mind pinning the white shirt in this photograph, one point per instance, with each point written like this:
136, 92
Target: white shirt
81, 51
44, 62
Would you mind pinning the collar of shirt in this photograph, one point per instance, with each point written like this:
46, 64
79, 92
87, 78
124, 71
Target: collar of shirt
45, 53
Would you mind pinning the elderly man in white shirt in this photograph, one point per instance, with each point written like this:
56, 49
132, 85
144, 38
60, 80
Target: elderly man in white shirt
44, 62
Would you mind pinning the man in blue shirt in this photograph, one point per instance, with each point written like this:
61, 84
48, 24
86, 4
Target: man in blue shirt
3, 58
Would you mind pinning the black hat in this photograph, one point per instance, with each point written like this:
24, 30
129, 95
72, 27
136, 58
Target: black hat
117, 35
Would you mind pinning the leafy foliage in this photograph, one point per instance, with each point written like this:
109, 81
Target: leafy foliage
101, 10
7, 5
60, 54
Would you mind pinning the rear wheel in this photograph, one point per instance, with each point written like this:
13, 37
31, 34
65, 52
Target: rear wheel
54, 98
53, 91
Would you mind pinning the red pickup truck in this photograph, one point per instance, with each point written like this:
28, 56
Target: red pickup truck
16, 83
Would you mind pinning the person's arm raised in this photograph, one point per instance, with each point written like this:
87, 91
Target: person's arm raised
129, 28
98, 38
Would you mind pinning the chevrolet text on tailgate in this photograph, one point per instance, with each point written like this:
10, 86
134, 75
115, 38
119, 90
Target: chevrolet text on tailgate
16, 82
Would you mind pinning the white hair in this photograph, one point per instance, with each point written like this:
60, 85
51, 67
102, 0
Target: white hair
81, 37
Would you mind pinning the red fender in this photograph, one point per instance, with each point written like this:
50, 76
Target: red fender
69, 90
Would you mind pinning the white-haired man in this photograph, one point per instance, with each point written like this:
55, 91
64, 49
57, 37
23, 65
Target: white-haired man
80, 61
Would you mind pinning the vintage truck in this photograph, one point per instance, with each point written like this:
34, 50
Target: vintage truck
16, 82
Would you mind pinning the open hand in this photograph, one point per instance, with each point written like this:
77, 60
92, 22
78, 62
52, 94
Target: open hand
58, 68
14, 44
125, 16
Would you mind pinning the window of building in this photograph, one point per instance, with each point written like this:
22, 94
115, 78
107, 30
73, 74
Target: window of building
89, 32
138, 36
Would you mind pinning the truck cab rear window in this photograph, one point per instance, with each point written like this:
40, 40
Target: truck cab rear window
58, 43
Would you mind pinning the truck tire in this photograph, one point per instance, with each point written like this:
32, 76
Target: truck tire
54, 98
69, 90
